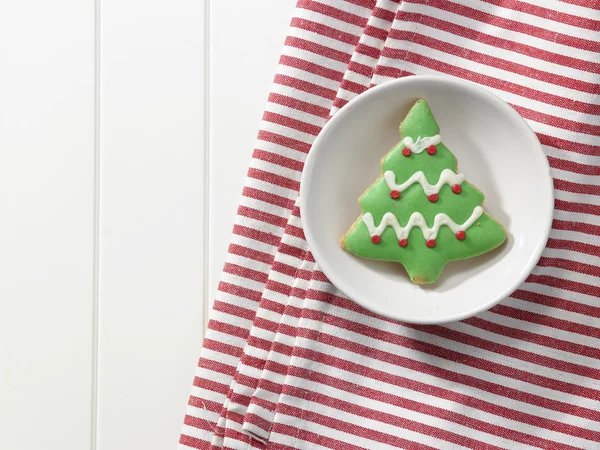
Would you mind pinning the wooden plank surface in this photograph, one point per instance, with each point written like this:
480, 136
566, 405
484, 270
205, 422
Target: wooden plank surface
151, 219
46, 224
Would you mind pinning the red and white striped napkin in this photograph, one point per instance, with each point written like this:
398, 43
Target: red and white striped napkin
289, 362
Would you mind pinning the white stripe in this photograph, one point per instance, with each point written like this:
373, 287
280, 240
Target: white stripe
315, 58
594, 260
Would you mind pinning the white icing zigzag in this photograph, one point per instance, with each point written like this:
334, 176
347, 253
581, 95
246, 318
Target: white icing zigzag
417, 220
446, 177
422, 143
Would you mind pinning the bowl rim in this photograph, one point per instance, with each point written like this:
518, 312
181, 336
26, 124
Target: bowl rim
305, 212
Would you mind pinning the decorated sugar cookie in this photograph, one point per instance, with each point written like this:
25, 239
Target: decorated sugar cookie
421, 212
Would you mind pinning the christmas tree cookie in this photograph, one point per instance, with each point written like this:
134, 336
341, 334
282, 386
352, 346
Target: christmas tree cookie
421, 212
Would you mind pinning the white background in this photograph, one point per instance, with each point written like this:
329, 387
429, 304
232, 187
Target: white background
126, 128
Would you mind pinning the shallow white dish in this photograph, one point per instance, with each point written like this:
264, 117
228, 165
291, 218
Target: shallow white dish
496, 150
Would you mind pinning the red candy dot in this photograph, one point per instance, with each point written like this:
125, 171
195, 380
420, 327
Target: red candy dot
395, 194
403, 242
456, 189
376, 239
431, 150
433, 198
430, 243
406, 151
461, 235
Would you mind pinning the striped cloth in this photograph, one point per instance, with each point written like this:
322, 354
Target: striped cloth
290, 363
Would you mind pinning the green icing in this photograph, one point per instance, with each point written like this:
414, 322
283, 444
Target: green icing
422, 263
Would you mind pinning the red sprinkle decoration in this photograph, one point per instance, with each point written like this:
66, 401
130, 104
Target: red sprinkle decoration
430, 243
403, 242
406, 151
461, 235
456, 189
432, 150
395, 194
433, 198
376, 239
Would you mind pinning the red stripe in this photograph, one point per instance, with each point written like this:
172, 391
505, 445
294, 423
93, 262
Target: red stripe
497, 83
194, 442
579, 227
227, 328
546, 13
296, 231
245, 272
572, 266
563, 144
318, 49
556, 302
360, 68
513, 25
305, 86
574, 246
267, 197
257, 235
262, 216
585, 208
324, 30
284, 141
558, 122
239, 291
272, 178
211, 385
572, 166
307, 66
376, 32
499, 63
290, 102
292, 251
569, 285
289, 122
386, 14
576, 188
246, 252
506, 44
547, 321
205, 403
330, 11
233, 310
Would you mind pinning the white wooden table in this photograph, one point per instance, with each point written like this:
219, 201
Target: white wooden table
126, 128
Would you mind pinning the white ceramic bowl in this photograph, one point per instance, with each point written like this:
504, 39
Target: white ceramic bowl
496, 150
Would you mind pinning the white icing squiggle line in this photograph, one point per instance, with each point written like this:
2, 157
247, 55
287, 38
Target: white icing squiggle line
446, 177
417, 220
421, 143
